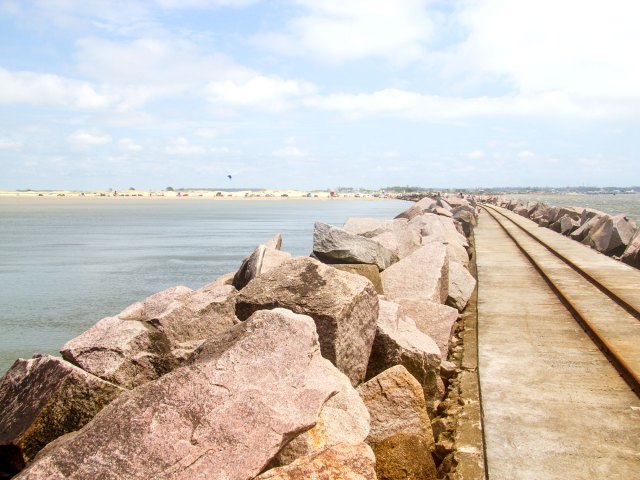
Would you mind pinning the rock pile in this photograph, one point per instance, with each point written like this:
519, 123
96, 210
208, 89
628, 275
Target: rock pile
289, 368
612, 235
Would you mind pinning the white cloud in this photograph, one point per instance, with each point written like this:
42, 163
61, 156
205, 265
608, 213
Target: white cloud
155, 61
206, 132
82, 138
476, 154
587, 49
182, 147
205, 4
336, 31
129, 145
289, 152
50, 90
526, 154
407, 104
10, 144
269, 93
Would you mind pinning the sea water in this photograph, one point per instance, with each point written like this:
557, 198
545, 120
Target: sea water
67, 262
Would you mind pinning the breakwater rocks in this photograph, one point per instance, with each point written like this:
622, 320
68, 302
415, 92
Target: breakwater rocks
330, 366
612, 235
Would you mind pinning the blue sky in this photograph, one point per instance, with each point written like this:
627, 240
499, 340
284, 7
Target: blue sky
315, 94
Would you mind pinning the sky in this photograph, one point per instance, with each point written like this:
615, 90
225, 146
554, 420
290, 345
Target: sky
98, 94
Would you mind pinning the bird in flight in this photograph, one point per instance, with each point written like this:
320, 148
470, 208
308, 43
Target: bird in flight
229, 177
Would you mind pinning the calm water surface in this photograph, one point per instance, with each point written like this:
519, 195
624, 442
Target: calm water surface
67, 262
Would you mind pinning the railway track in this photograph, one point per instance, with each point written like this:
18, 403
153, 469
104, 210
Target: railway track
553, 406
601, 293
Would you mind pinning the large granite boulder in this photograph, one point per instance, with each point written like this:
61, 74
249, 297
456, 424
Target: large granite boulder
461, 286
631, 255
152, 337
588, 213
344, 418
344, 307
369, 227
423, 205
611, 235
565, 225
225, 414
581, 233
467, 217
399, 342
335, 245
370, 272
401, 435
438, 228
344, 461
42, 399
433, 319
263, 259
423, 275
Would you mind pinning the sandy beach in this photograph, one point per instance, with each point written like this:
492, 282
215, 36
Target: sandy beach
186, 194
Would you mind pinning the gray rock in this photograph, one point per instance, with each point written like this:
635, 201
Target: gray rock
344, 307
335, 245
588, 213
435, 320
461, 286
581, 233
467, 217
401, 435
411, 212
42, 399
423, 275
401, 239
344, 461
344, 418
240, 399
438, 228
399, 342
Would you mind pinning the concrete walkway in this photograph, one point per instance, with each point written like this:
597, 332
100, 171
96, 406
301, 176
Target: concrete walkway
553, 406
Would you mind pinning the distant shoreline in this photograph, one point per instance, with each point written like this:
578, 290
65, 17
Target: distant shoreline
194, 194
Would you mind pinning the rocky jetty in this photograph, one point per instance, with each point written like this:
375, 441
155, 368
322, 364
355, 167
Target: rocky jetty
328, 366
613, 235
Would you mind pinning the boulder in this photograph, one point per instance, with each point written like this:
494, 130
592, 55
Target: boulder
344, 307
441, 202
275, 242
588, 213
438, 228
411, 212
456, 201
335, 245
631, 255
196, 317
152, 337
461, 286
369, 227
402, 239
42, 399
426, 203
261, 260
344, 461
125, 352
433, 319
401, 436
442, 211
611, 235
370, 272
581, 233
227, 412
344, 418
467, 217
565, 225
423, 275
225, 279
399, 342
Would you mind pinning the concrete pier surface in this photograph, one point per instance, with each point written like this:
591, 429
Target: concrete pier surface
554, 406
